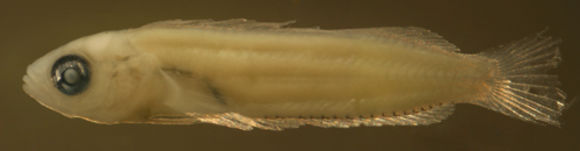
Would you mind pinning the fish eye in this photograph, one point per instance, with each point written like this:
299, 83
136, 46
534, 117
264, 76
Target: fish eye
71, 74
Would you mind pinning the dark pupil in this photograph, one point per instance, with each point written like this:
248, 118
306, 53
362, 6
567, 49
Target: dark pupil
71, 74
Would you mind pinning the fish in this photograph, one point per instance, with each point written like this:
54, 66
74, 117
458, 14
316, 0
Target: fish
246, 74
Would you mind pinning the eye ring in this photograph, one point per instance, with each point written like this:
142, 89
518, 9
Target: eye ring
71, 74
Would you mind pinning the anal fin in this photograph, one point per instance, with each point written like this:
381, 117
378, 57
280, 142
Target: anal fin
238, 121
434, 115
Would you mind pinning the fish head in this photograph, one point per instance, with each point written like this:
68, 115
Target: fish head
100, 78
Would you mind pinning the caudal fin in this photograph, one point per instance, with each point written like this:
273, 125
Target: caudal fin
524, 89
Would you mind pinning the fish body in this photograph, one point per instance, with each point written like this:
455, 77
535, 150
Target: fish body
245, 74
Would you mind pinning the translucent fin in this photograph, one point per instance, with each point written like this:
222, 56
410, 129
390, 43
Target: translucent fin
415, 35
524, 89
239, 23
235, 120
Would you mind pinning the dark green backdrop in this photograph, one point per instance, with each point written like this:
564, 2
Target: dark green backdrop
29, 29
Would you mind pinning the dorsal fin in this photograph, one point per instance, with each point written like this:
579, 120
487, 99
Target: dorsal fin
415, 35
239, 23
238, 121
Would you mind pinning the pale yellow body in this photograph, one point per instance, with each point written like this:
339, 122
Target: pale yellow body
268, 74
246, 74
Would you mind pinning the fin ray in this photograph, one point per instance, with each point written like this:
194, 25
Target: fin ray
238, 121
417, 36
239, 23
523, 88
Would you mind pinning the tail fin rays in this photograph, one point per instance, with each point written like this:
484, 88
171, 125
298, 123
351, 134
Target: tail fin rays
524, 89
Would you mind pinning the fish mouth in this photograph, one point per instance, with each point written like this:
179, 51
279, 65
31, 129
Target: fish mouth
25, 86
32, 92
27, 81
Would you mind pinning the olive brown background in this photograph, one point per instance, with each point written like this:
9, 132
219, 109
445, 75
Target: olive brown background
29, 29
